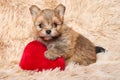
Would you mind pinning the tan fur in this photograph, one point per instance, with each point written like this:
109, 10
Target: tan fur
62, 41
98, 20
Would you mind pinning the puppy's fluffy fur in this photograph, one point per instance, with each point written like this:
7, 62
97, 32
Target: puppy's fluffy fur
61, 40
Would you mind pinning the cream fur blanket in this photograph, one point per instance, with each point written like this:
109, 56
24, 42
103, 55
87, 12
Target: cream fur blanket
98, 20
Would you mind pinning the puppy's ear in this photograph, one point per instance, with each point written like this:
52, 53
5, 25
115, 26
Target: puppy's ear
60, 10
34, 10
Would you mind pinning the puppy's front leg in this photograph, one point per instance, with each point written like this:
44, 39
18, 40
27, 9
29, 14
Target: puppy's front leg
54, 51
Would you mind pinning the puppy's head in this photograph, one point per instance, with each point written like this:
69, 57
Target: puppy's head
47, 22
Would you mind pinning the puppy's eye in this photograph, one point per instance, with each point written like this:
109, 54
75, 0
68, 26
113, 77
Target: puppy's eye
40, 25
55, 25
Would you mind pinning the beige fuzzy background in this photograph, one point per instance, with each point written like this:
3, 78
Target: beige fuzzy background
98, 20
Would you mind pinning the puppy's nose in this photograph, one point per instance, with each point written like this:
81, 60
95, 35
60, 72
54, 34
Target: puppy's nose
48, 31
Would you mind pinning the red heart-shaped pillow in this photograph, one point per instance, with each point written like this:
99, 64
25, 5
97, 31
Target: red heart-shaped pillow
33, 58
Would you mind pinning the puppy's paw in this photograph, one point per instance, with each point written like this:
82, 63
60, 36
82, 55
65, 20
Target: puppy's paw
51, 54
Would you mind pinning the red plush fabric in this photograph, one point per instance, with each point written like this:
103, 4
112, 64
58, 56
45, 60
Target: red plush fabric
33, 58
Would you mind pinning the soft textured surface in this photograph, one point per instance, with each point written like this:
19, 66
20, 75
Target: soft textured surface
33, 58
98, 20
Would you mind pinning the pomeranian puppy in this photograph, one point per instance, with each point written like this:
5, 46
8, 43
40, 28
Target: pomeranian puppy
61, 40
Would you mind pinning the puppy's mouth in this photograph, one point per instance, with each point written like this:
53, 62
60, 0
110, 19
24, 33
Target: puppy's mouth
48, 38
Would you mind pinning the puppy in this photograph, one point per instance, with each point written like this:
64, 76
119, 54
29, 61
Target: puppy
61, 41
